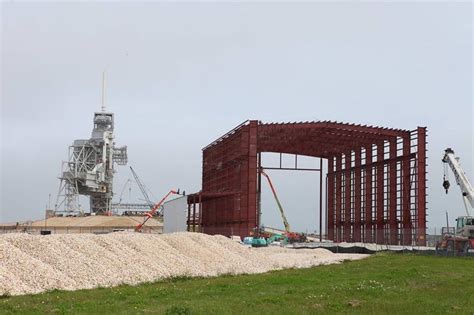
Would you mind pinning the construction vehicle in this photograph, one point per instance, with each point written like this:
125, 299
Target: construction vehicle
289, 237
460, 238
155, 208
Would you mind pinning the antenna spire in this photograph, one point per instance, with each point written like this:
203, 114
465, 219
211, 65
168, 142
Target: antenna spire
103, 91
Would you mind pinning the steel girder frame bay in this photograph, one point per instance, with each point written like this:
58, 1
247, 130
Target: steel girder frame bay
394, 185
376, 190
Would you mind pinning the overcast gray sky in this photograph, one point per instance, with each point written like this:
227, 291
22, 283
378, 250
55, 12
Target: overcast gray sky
181, 74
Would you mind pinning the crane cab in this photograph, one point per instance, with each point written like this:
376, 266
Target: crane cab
465, 226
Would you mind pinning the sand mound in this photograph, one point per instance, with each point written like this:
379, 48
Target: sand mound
33, 264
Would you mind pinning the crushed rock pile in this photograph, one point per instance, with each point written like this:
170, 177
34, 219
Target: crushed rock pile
33, 264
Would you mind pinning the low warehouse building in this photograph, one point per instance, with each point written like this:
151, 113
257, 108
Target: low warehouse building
89, 224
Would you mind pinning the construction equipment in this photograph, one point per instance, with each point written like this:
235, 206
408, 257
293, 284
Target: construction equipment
460, 239
142, 188
282, 212
156, 208
127, 183
290, 237
132, 209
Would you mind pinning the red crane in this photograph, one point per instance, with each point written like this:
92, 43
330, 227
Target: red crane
155, 208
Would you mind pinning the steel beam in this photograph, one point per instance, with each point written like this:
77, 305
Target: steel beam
368, 196
347, 197
393, 194
357, 195
421, 189
321, 200
406, 190
380, 196
330, 199
338, 203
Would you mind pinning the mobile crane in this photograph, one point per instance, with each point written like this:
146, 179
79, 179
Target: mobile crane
463, 237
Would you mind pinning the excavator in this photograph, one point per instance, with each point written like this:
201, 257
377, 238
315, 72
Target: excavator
288, 237
461, 238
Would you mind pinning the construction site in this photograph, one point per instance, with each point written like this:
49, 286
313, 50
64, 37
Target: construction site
374, 192
280, 216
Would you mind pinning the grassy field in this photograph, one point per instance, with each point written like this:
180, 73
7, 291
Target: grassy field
383, 283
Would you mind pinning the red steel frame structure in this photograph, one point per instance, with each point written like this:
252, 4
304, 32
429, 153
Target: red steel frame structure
375, 184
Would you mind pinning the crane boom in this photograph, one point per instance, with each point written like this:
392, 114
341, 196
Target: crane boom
142, 188
154, 209
285, 221
461, 179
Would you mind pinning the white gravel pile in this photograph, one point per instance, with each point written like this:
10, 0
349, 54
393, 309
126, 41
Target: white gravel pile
33, 263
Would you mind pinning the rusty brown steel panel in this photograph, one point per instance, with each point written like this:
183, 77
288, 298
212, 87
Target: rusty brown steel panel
380, 196
393, 193
330, 199
421, 189
347, 197
252, 175
244, 178
357, 195
406, 190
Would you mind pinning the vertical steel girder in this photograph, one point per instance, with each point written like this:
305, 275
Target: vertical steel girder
379, 198
357, 196
368, 195
379, 201
338, 203
406, 190
347, 197
392, 217
330, 199
421, 189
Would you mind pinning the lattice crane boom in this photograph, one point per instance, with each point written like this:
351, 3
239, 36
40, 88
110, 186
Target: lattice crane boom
142, 188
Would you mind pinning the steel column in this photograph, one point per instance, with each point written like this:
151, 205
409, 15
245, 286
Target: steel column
330, 199
338, 205
347, 198
259, 190
200, 212
380, 196
320, 199
393, 193
194, 214
406, 191
357, 196
188, 227
421, 189
368, 195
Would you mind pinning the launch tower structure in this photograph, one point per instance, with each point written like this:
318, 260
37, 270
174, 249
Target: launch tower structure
90, 169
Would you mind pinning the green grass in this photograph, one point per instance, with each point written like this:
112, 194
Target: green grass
383, 283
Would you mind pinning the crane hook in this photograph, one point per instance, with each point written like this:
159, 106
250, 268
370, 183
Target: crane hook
446, 184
